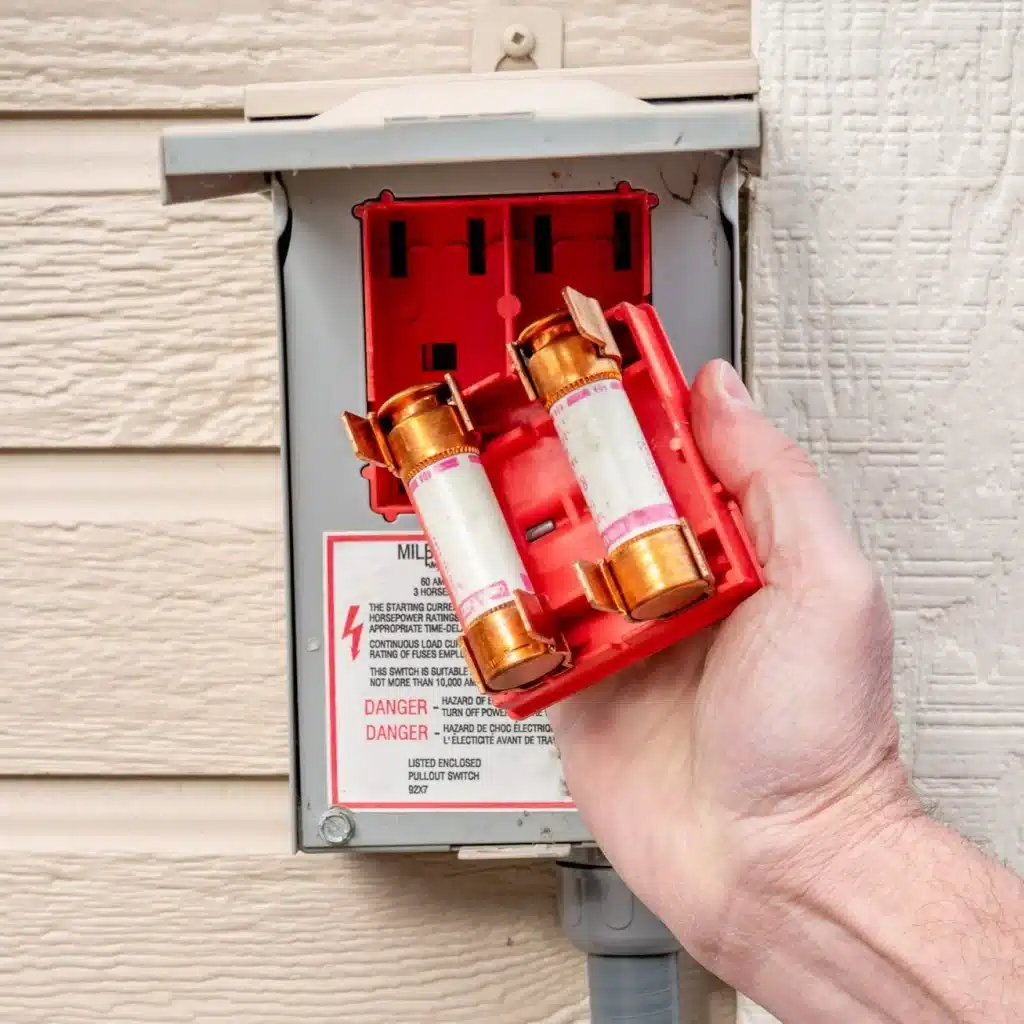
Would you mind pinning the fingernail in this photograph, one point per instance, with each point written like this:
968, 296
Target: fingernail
730, 386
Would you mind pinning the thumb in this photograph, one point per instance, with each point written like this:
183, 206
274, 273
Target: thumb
795, 526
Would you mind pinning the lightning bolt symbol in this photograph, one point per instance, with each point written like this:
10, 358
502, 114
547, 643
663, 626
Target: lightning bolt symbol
353, 630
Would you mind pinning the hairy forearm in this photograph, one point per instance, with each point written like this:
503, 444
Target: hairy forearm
904, 921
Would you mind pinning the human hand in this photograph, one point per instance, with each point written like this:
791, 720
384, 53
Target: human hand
764, 743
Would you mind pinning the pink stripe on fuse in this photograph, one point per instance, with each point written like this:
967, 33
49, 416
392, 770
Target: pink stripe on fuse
638, 520
419, 478
481, 600
443, 466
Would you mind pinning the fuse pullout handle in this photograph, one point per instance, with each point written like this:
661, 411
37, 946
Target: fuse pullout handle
425, 437
654, 566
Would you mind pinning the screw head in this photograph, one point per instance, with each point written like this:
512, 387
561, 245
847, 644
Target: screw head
518, 42
312, 644
337, 826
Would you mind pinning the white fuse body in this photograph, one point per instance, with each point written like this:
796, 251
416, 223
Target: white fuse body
612, 462
469, 536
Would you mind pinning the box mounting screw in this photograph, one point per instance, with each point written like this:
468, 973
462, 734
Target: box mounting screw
518, 42
337, 826
517, 38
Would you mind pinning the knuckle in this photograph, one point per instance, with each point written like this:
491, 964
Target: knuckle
849, 586
860, 590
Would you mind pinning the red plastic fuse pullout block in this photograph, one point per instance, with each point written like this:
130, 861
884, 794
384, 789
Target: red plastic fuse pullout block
535, 486
448, 283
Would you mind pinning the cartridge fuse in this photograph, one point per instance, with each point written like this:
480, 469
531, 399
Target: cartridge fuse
654, 566
425, 437
476, 554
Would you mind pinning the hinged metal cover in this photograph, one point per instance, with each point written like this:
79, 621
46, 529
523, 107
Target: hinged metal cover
505, 119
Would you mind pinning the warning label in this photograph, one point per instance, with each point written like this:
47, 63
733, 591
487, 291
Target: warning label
407, 727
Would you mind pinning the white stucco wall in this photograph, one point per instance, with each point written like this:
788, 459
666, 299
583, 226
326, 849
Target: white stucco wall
888, 261
888, 258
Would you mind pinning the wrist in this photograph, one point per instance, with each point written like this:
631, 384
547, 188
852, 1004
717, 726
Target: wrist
876, 912
786, 866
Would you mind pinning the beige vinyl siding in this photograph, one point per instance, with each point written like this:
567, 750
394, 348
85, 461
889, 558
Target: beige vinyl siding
145, 865
149, 55
127, 324
143, 614
267, 939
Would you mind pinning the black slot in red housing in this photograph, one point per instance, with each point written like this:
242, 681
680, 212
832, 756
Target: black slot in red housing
447, 283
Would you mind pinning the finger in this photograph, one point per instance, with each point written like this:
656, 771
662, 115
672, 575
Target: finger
795, 526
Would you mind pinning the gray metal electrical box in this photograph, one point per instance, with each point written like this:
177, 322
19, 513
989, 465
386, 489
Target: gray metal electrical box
393, 747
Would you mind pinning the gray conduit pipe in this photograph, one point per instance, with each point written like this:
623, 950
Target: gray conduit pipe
633, 964
629, 989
